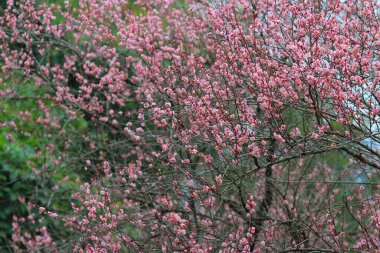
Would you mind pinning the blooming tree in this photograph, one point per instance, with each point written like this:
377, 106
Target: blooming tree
232, 126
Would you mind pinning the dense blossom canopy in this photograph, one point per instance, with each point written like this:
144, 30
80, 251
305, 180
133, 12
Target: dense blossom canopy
210, 126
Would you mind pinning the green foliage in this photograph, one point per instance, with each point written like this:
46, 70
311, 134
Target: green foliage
23, 153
